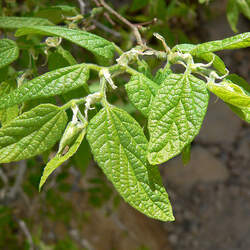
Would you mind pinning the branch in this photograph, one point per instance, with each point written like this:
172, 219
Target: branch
82, 6
26, 232
19, 179
133, 27
106, 29
4, 177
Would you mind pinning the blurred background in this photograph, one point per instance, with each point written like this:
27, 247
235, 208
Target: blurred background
79, 208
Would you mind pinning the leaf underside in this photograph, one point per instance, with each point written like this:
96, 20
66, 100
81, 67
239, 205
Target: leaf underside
176, 116
119, 147
31, 133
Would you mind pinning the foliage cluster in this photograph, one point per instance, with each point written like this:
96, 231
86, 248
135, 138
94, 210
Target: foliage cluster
39, 109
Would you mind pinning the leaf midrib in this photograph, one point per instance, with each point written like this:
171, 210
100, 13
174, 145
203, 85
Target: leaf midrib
138, 181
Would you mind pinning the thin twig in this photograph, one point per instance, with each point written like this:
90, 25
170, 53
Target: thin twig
4, 177
82, 6
109, 18
106, 29
19, 179
153, 21
26, 232
105, 14
133, 27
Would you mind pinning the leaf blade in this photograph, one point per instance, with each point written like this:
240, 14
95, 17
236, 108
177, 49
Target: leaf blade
176, 116
9, 52
31, 133
141, 92
59, 159
6, 115
243, 113
218, 63
234, 42
119, 147
49, 84
230, 93
98, 45
233, 14
19, 22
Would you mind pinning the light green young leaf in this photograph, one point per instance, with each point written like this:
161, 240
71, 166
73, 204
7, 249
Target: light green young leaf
7, 22
176, 116
119, 147
52, 83
184, 47
233, 14
8, 52
243, 113
31, 133
240, 82
70, 134
141, 91
230, 93
244, 6
60, 158
218, 63
162, 74
97, 45
234, 42
6, 115
186, 154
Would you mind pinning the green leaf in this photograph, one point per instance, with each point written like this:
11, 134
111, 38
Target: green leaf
119, 147
20, 22
234, 42
184, 47
8, 52
244, 6
243, 113
162, 74
233, 14
141, 91
218, 63
97, 45
230, 93
31, 133
50, 84
186, 154
58, 13
66, 55
240, 82
145, 69
176, 116
6, 115
60, 158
